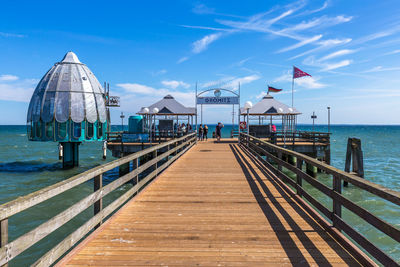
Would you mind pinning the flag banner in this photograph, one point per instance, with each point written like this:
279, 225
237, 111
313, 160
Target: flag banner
273, 89
297, 73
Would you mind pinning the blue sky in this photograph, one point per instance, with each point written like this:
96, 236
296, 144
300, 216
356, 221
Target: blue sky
146, 49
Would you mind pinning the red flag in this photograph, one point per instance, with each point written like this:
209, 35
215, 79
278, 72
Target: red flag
273, 89
297, 73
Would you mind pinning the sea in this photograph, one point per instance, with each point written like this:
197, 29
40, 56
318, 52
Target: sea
26, 167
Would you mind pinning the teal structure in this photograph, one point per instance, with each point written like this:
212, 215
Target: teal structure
136, 124
68, 106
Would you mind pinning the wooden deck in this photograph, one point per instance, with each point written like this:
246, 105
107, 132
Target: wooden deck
212, 207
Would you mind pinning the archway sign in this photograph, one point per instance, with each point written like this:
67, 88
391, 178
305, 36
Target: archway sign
221, 96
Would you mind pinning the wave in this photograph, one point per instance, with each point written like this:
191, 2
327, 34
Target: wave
29, 166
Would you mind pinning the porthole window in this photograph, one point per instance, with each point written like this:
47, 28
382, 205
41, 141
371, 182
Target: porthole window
49, 129
62, 130
76, 129
89, 130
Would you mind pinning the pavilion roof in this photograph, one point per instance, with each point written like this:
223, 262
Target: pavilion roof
169, 106
270, 106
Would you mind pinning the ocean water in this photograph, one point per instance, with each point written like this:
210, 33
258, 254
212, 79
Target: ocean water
27, 166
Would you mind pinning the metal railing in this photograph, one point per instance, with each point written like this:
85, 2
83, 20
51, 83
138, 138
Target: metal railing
9, 250
268, 153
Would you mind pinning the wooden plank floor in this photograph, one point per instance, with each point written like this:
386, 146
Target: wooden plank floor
213, 207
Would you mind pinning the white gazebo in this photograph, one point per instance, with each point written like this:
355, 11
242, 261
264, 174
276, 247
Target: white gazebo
267, 111
170, 114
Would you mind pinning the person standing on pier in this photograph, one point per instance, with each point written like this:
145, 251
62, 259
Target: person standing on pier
205, 132
273, 134
201, 132
183, 129
218, 131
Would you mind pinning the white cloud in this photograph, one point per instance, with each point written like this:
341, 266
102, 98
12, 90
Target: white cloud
378, 35
324, 6
326, 66
300, 44
202, 44
7, 34
241, 62
8, 77
336, 65
202, 9
231, 82
380, 69
137, 88
138, 95
160, 72
217, 83
258, 23
323, 44
17, 90
234, 84
392, 52
261, 94
182, 59
174, 84
205, 28
338, 54
321, 22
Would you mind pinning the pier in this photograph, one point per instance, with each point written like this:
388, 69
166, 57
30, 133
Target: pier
206, 203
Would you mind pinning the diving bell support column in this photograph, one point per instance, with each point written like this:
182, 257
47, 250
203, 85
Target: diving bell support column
71, 154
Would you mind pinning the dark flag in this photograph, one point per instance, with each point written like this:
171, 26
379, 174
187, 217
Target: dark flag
273, 89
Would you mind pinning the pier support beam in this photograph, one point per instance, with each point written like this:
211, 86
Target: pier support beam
71, 154
311, 170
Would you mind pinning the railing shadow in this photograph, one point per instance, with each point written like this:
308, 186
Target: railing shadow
293, 252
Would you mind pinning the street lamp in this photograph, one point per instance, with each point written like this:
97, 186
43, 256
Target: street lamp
155, 111
329, 119
122, 116
313, 117
247, 106
146, 112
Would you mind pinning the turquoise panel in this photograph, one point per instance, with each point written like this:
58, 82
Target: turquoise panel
135, 124
68, 131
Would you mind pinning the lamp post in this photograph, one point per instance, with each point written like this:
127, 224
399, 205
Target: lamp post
313, 117
329, 119
247, 106
146, 112
155, 111
122, 116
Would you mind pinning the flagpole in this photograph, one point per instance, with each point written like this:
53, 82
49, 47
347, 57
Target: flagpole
292, 85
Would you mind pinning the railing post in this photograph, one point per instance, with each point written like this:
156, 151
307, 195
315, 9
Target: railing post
98, 205
156, 164
337, 207
4, 235
279, 157
135, 165
299, 181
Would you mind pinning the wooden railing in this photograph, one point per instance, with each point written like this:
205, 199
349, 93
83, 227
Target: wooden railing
157, 136
299, 137
266, 153
166, 152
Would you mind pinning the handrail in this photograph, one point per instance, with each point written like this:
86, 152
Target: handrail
275, 154
10, 250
